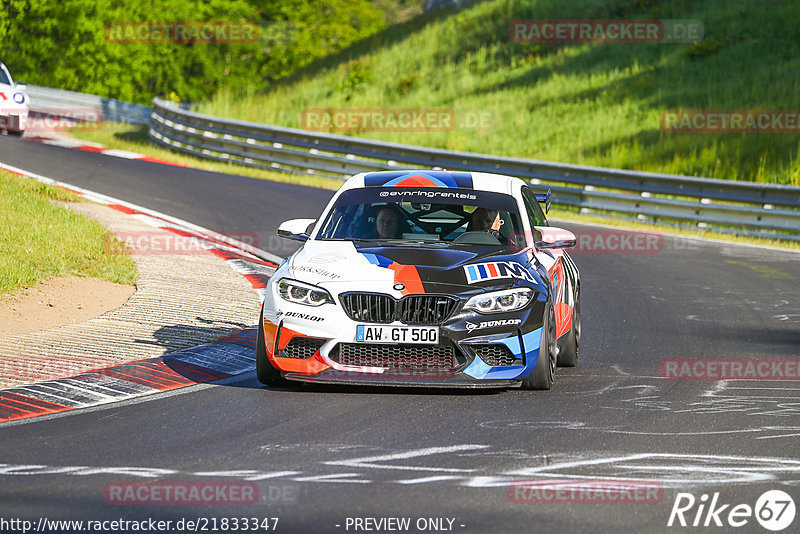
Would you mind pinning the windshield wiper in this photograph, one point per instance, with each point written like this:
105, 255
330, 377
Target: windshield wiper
389, 241
345, 239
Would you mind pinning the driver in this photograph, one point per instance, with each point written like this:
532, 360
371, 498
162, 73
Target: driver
387, 224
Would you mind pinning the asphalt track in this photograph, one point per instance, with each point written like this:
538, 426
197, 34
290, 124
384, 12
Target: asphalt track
322, 455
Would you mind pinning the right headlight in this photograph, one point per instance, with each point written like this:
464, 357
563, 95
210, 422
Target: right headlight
501, 301
302, 293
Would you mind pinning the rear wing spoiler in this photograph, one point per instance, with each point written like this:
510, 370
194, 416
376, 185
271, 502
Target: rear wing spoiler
543, 198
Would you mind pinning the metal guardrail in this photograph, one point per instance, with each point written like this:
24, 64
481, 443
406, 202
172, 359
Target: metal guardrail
767, 210
71, 103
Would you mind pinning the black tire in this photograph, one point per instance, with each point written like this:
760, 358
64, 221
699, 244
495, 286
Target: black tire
568, 357
16, 133
542, 375
265, 372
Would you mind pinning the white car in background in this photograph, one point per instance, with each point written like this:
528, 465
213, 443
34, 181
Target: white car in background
13, 104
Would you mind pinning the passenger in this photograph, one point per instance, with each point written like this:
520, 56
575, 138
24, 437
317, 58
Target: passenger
484, 220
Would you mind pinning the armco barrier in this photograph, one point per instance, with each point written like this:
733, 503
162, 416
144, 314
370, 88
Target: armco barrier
45, 99
756, 209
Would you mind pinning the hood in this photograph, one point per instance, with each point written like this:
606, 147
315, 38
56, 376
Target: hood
345, 266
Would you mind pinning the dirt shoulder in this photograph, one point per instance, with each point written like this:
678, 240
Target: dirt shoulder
60, 301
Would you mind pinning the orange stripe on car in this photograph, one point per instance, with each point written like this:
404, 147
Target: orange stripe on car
409, 276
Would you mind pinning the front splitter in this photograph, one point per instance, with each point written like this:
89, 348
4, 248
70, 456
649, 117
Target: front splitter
382, 379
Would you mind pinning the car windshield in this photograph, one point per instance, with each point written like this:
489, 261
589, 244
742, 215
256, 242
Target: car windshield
405, 215
4, 77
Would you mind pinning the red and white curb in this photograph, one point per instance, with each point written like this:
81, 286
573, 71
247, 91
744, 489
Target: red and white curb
232, 355
77, 144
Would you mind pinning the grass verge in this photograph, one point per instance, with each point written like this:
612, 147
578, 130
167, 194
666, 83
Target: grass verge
134, 138
39, 239
556, 215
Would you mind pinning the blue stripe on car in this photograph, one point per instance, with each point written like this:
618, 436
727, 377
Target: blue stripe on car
531, 342
376, 259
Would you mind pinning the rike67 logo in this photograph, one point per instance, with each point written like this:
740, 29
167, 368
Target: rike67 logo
774, 510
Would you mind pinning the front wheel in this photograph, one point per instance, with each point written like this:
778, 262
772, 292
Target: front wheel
543, 373
265, 372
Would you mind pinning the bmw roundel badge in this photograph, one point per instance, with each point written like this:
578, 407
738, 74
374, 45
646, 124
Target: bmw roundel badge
399, 287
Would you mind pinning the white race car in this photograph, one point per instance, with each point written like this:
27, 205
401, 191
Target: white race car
13, 104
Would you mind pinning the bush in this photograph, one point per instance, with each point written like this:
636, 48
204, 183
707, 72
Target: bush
64, 44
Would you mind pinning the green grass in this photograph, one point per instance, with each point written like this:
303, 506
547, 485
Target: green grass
39, 239
594, 104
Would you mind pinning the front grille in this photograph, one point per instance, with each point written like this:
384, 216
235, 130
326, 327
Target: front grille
369, 307
302, 347
425, 309
495, 354
413, 309
411, 358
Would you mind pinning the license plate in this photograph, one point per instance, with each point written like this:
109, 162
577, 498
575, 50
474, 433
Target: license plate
427, 335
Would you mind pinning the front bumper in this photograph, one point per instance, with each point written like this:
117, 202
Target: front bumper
320, 346
13, 120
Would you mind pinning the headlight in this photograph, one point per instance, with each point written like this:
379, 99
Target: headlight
19, 98
301, 293
501, 301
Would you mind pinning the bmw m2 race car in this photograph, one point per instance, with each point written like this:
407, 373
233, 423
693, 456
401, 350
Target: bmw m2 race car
13, 104
423, 278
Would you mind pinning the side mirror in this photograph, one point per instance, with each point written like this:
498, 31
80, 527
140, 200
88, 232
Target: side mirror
297, 229
21, 86
550, 237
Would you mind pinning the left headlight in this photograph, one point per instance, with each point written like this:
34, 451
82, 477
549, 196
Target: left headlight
501, 301
301, 293
19, 98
